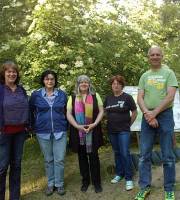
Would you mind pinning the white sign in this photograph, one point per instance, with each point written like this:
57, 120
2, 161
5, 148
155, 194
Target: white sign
133, 90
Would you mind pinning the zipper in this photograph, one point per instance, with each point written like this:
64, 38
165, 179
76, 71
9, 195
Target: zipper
52, 124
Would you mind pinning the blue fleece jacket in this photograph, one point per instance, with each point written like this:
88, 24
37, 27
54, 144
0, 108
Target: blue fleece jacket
45, 118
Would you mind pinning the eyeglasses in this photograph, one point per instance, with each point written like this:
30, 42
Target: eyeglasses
49, 79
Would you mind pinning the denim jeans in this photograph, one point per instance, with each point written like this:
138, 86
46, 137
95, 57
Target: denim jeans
11, 150
120, 144
147, 136
54, 152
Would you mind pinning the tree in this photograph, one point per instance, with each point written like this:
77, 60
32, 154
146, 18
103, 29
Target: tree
72, 38
15, 19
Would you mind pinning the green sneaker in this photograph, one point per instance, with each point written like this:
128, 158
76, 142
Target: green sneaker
142, 194
169, 196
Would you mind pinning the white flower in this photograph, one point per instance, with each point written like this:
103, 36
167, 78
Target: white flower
50, 43
63, 66
24, 24
76, 8
28, 17
48, 6
37, 7
62, 87
37, 36
86, 16
32, 26
68, 82
117, 55
41, 1
68, 18
79, 63
44, 51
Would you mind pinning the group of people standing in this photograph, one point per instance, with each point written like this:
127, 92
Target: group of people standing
48, 111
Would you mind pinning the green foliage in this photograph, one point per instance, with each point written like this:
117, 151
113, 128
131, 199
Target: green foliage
71, 38
76, 37
15, 19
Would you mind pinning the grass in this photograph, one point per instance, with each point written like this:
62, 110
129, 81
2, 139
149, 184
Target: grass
34, 180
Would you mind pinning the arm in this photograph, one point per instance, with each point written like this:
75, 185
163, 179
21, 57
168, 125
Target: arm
171, 91
100, 116
133, 116
31, 111
140, 100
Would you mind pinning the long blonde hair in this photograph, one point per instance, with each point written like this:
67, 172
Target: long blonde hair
79, 80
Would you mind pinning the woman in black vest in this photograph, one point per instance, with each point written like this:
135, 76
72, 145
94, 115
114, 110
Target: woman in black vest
84, 113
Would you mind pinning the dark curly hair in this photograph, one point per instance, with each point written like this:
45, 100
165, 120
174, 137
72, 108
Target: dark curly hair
46, 73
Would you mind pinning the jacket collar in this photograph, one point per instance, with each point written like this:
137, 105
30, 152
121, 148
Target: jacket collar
43, 92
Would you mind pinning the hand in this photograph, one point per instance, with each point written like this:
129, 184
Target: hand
82, 128
90, 127
154, 123
150, 115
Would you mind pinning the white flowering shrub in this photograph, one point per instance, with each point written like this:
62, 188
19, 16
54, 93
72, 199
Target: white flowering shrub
71, 38
82, 37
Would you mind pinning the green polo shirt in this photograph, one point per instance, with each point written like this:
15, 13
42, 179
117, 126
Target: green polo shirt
155, 84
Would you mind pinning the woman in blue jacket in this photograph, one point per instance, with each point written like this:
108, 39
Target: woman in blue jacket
47, 106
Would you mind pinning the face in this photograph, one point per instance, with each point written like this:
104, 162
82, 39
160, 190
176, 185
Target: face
10, 76
155, 57
116, 86
84, 86
49, 81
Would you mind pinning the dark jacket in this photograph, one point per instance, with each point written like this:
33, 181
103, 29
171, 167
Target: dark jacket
46, 119
1, 104
97, 136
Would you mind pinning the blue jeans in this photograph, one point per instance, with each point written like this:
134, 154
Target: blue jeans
11, 150
54, 152
166, 131
120, 144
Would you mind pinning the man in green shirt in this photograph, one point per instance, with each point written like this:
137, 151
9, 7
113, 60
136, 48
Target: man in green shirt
157, 88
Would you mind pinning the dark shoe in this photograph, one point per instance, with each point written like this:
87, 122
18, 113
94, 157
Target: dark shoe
98, 188
60, 190
49, 191
84, 187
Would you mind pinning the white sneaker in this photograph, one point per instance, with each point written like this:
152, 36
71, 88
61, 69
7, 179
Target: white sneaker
129, 185
116, 179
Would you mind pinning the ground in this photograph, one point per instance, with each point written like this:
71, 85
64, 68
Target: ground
34, 181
